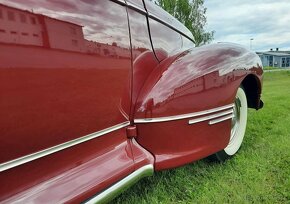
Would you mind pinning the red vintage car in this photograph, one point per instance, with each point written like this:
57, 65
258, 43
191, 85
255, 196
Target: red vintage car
96, 94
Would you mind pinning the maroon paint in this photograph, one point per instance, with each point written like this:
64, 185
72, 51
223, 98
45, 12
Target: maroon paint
143, 61
74, 70
61, 81
75, 173
74, 86
199, 79
197, 75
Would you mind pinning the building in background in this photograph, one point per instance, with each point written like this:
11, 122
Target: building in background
275, 58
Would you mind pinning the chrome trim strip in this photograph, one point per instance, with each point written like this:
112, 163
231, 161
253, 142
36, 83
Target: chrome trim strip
212, 122
184, 116
217, 115
154, 17
122, 185
57, 148
121, 2
136, 8
142, 10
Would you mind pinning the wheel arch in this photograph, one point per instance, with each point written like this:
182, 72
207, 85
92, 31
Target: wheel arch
253, 87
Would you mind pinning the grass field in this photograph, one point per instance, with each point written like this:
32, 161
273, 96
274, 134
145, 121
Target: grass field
275, 68
259, 173
271, 68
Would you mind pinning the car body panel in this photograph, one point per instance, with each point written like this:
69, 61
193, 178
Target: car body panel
65, 85
74, 174
220, 65
97, 94
197, 80
143, 57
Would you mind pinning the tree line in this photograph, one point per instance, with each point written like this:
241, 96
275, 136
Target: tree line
192, 14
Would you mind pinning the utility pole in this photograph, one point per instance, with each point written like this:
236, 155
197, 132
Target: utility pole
251, 40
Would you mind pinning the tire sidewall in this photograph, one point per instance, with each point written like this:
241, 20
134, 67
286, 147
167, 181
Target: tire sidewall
236, 142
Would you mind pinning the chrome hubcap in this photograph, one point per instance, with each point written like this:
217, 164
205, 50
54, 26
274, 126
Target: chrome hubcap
236, 119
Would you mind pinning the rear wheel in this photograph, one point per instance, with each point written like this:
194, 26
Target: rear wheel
238, 128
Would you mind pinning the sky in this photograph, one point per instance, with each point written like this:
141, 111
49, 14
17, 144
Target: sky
267, 22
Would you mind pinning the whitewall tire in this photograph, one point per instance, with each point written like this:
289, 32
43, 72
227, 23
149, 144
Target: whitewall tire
238, 127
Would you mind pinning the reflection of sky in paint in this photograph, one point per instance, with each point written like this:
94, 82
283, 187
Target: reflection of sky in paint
201, 61
165, 38
139, 31
92, 15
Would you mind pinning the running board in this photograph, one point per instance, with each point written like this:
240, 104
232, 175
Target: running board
122, 185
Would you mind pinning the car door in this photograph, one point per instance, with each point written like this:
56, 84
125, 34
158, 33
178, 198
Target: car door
65, 99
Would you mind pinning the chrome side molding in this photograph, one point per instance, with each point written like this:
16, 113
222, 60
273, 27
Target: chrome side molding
121, 2
136, 8
143, 11
122, 185
184, 116
218, 120
208, 117
57, 148
156, 18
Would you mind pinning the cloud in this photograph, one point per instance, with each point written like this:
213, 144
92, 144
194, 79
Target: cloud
266, 21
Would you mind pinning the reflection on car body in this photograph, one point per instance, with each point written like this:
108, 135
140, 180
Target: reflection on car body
96, 95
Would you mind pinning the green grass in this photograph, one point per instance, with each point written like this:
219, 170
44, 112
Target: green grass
268, 68
271, 68
259, 173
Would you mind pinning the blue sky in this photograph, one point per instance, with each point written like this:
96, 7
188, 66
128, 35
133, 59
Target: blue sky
267, 22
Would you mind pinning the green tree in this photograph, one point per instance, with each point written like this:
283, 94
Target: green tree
192, 14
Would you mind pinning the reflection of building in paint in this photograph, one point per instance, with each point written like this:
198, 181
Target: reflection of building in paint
63, 35
202, 83
19, 27
193, 86
27, 28
199, 84
106, 50
212, 80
